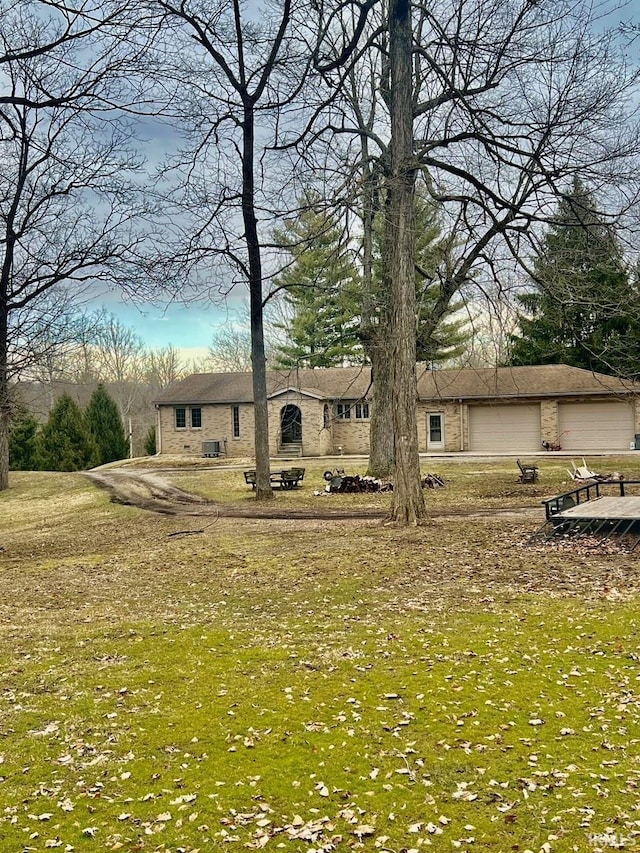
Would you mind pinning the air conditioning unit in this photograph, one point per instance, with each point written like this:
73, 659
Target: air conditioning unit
212, 448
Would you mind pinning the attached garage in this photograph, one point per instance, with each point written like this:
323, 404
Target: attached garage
595, 426
501, 429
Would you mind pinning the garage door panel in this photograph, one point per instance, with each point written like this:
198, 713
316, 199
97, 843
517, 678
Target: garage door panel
595, 426
500, 429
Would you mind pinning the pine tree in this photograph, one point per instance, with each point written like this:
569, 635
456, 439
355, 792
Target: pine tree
23, 453
150, 442
105, 424
65, 442
436, 342
582, 310
324, 290
322, 287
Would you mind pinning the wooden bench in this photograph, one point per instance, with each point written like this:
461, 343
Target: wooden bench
287, 479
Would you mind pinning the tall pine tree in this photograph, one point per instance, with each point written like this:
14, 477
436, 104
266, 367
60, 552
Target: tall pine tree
322, 286
105, 424
582, 310
324, 289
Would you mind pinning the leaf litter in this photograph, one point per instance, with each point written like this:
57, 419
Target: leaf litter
395, 693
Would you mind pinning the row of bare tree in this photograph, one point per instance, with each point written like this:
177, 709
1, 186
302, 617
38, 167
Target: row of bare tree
491, 105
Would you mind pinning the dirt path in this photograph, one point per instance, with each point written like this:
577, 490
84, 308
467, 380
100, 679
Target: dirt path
148, 490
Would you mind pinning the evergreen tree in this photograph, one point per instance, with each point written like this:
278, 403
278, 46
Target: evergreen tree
150, 442
23, 451
65, 442
105, 425
322, 286
582, 311
324, 289
436, 342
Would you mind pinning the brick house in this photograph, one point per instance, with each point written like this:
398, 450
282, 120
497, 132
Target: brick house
326, 411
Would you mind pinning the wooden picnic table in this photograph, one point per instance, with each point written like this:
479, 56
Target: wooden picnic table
287, 478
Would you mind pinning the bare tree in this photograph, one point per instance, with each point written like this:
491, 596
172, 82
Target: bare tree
69, 214
162, 366
230, 349
507, 102
239, 74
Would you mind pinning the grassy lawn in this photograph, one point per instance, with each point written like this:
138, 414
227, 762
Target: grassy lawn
313, 685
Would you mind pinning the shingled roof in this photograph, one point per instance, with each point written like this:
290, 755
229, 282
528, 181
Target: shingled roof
353, 383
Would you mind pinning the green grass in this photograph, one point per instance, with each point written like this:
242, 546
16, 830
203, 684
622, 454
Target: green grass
305, 686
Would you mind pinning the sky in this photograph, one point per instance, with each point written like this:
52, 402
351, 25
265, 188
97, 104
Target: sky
189, 328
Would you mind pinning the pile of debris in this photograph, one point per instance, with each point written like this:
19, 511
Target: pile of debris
582, 473
340, 483
433, 481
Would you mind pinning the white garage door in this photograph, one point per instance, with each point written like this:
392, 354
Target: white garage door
595, 426
500, 429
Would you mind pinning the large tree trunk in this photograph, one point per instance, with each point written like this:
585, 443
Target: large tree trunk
258, 362
381, 443
5, 408
374, 322
408, 505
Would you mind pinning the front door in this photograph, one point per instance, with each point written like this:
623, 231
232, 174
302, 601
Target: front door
435, 431
291, 425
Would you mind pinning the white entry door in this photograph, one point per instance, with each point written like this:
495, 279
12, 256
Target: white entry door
435, 431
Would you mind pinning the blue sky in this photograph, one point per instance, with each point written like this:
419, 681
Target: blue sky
189, 328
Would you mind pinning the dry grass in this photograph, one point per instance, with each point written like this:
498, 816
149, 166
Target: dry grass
200, 692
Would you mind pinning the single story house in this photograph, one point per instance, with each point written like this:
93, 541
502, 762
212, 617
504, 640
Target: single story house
324, 411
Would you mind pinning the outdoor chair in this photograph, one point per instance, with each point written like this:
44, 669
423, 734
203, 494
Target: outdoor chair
528, 473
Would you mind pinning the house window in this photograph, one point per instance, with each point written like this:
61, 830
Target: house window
196, 418
235, 416
362, 411
181, 417
326, 417
343, 411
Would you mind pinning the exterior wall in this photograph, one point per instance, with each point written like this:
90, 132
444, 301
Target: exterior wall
549, 420
217, 424
351, 435
325, 439
549, 416
312, 423
452, 425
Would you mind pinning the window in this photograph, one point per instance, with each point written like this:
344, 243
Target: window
181, 417
196, 418
343, 411
326, 417
362, 411
235, 415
